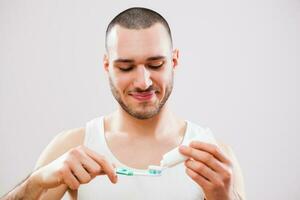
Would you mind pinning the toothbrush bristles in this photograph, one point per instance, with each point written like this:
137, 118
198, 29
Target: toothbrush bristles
154, 171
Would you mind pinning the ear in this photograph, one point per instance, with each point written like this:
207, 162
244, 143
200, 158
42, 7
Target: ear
175, 58
105, 62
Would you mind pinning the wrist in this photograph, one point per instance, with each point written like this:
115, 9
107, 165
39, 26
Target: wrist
29, 189
34, 183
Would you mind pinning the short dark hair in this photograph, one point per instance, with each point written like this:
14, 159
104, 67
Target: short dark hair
137, 18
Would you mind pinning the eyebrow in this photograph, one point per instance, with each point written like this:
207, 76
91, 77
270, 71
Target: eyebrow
156, 58
124, 60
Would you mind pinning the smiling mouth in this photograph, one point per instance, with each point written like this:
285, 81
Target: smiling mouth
143, 96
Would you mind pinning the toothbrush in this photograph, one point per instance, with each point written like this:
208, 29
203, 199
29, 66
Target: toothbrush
170, 159
152, 171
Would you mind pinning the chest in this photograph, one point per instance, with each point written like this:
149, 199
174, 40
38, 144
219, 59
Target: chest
140, 152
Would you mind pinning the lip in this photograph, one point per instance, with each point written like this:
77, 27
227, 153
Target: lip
142, 96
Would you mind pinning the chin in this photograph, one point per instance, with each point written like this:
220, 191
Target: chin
145, 113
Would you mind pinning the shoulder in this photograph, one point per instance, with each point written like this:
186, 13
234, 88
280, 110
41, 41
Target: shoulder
225, 148
60, 144
229, 153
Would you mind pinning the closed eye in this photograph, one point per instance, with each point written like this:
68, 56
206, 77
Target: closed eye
156, 65
125, 69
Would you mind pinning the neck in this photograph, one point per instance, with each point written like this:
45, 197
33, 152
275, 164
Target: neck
157, 126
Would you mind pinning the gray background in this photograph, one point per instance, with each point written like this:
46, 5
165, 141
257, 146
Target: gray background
238, 75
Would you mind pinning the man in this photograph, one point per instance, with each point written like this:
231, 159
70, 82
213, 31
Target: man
140, 64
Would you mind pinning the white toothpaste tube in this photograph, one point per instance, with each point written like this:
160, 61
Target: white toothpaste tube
174, 157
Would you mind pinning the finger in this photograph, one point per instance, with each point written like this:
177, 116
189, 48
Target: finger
81, 174
105, 165
203, 182
91, 166
203, 157
69, 179
202, 170
212, 149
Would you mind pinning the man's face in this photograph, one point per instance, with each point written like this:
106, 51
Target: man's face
140, 66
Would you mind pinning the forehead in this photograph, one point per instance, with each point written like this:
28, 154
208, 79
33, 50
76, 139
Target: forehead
138, 44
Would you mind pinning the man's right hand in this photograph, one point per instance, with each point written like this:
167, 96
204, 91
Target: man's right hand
77, 166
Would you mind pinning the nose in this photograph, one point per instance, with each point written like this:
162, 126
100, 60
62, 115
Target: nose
143, 78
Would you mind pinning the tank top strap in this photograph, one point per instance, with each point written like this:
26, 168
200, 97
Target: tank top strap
94, 135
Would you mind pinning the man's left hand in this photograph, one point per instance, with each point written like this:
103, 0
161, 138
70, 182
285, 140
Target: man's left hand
210, 169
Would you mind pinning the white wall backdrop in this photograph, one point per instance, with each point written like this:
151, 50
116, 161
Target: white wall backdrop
238, 74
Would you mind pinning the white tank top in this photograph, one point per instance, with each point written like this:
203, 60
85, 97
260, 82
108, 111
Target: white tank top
173, 184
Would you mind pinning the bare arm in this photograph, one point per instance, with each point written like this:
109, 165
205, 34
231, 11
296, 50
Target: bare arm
64, 165
29, 188
58, 146
26, 190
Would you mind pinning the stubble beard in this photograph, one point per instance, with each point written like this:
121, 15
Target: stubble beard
144, 112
